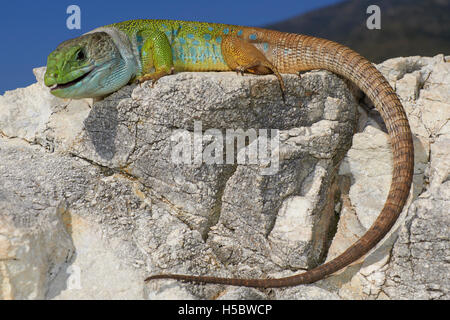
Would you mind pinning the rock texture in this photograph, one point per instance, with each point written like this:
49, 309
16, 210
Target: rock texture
92, 199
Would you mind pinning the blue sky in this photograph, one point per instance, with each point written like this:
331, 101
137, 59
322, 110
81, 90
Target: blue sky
30, 30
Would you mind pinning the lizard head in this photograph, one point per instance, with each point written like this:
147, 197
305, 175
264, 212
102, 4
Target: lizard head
86, 67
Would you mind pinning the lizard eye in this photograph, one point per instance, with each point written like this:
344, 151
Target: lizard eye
80, 55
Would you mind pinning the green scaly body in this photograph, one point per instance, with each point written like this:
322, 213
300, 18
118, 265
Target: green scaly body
195, 46
110, 57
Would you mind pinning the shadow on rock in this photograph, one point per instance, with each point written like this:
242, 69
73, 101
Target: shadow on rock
101, 126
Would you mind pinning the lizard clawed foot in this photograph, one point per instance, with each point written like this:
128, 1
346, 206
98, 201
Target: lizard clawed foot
154, 77
240, 70
145, 78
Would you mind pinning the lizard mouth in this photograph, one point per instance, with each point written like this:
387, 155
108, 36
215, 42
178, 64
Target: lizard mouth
59, 86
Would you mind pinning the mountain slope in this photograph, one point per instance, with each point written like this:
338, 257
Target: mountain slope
408, 27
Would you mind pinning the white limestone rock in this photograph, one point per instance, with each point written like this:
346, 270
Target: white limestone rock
91, 201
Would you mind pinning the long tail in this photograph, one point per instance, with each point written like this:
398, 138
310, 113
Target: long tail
308, 53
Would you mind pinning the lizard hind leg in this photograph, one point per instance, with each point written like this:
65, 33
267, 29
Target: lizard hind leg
243, 56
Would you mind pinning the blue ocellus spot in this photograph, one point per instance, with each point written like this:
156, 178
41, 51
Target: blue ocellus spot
253, 36
219, 39
195, 42
182, 41
265, 46
190, 36
240, 32
193, 53
181, 53
174, 54
215, 50
207, 37
210, 28
226, 31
